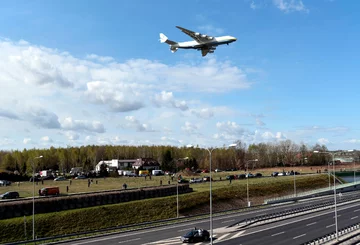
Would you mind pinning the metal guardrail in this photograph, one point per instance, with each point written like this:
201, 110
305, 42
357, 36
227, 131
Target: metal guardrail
312, 192
297, 211
332, 236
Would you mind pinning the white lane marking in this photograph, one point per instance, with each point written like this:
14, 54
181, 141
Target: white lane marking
227, 221
238, 234
299, 236
131, 240
166, 241
184, 230
330, 225
357, 210
278, 233
354, 217
301, 219
222, 237
313, 223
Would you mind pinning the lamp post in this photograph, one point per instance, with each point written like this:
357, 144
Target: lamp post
336, 222
177, 188
33, 211
210, 150
247, 180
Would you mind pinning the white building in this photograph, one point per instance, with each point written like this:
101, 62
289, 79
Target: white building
114, 164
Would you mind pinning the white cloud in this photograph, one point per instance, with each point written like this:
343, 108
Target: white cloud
99, 58
190, 128
119, 97
323, 141
353, 141
167, 99
231, 128
288, 6
203, 113
42, 118
259, 122
211, 30
133, 123
72, 135
46, 139
8, 114
82, 125
26, 140
253, 5
58, 88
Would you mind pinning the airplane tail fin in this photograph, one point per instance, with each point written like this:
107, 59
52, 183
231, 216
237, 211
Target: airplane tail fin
164, 39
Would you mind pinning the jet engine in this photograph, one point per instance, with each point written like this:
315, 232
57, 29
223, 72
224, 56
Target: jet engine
173, 49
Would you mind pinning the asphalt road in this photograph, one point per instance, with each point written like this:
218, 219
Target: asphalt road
296, 230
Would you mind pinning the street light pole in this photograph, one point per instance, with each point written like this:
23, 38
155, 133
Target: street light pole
247, 180
335, 206
33, 211
211, 220
336, 222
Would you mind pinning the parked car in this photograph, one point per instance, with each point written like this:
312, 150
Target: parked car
61, 178
81, 177
5, 183
207, 178
274, 174
49, 191
196, 235
241, 176
250, 175
258, 175
196, 180
183, 181
10, 195
230, 177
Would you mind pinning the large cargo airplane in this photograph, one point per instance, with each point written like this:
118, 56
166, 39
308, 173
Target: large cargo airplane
207, 44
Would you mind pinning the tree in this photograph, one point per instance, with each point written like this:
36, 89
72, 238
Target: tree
103, 171
167, 161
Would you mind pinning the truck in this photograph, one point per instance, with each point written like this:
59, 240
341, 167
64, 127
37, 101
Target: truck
45, 173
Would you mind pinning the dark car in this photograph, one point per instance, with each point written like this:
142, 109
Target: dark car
274, 174
196, 235
10, 195
258, 175
230, 177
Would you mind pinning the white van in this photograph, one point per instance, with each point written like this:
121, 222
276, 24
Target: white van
157, 172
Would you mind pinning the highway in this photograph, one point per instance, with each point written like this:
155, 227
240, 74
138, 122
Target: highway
295, 230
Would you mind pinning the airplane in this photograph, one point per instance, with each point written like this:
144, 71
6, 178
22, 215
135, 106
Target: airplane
207, 44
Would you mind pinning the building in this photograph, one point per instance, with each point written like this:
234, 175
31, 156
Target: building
115, 164
146, 164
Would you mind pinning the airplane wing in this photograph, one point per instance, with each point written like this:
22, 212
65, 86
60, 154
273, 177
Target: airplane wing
200, 38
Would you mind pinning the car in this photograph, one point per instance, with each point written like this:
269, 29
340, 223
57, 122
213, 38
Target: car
81, 177
196, 180
5, 183
230, 177
258, 175
241, 176
60, 178
196, 235
274, 174
10, 195
180, 181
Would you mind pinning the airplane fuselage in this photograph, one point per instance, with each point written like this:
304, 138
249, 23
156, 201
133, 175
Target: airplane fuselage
210, 43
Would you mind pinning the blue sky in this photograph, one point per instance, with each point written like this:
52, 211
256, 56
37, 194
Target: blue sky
94, 72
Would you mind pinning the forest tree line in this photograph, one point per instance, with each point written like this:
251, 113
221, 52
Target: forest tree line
284, 153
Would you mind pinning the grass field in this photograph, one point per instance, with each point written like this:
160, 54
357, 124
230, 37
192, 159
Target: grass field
25, 189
